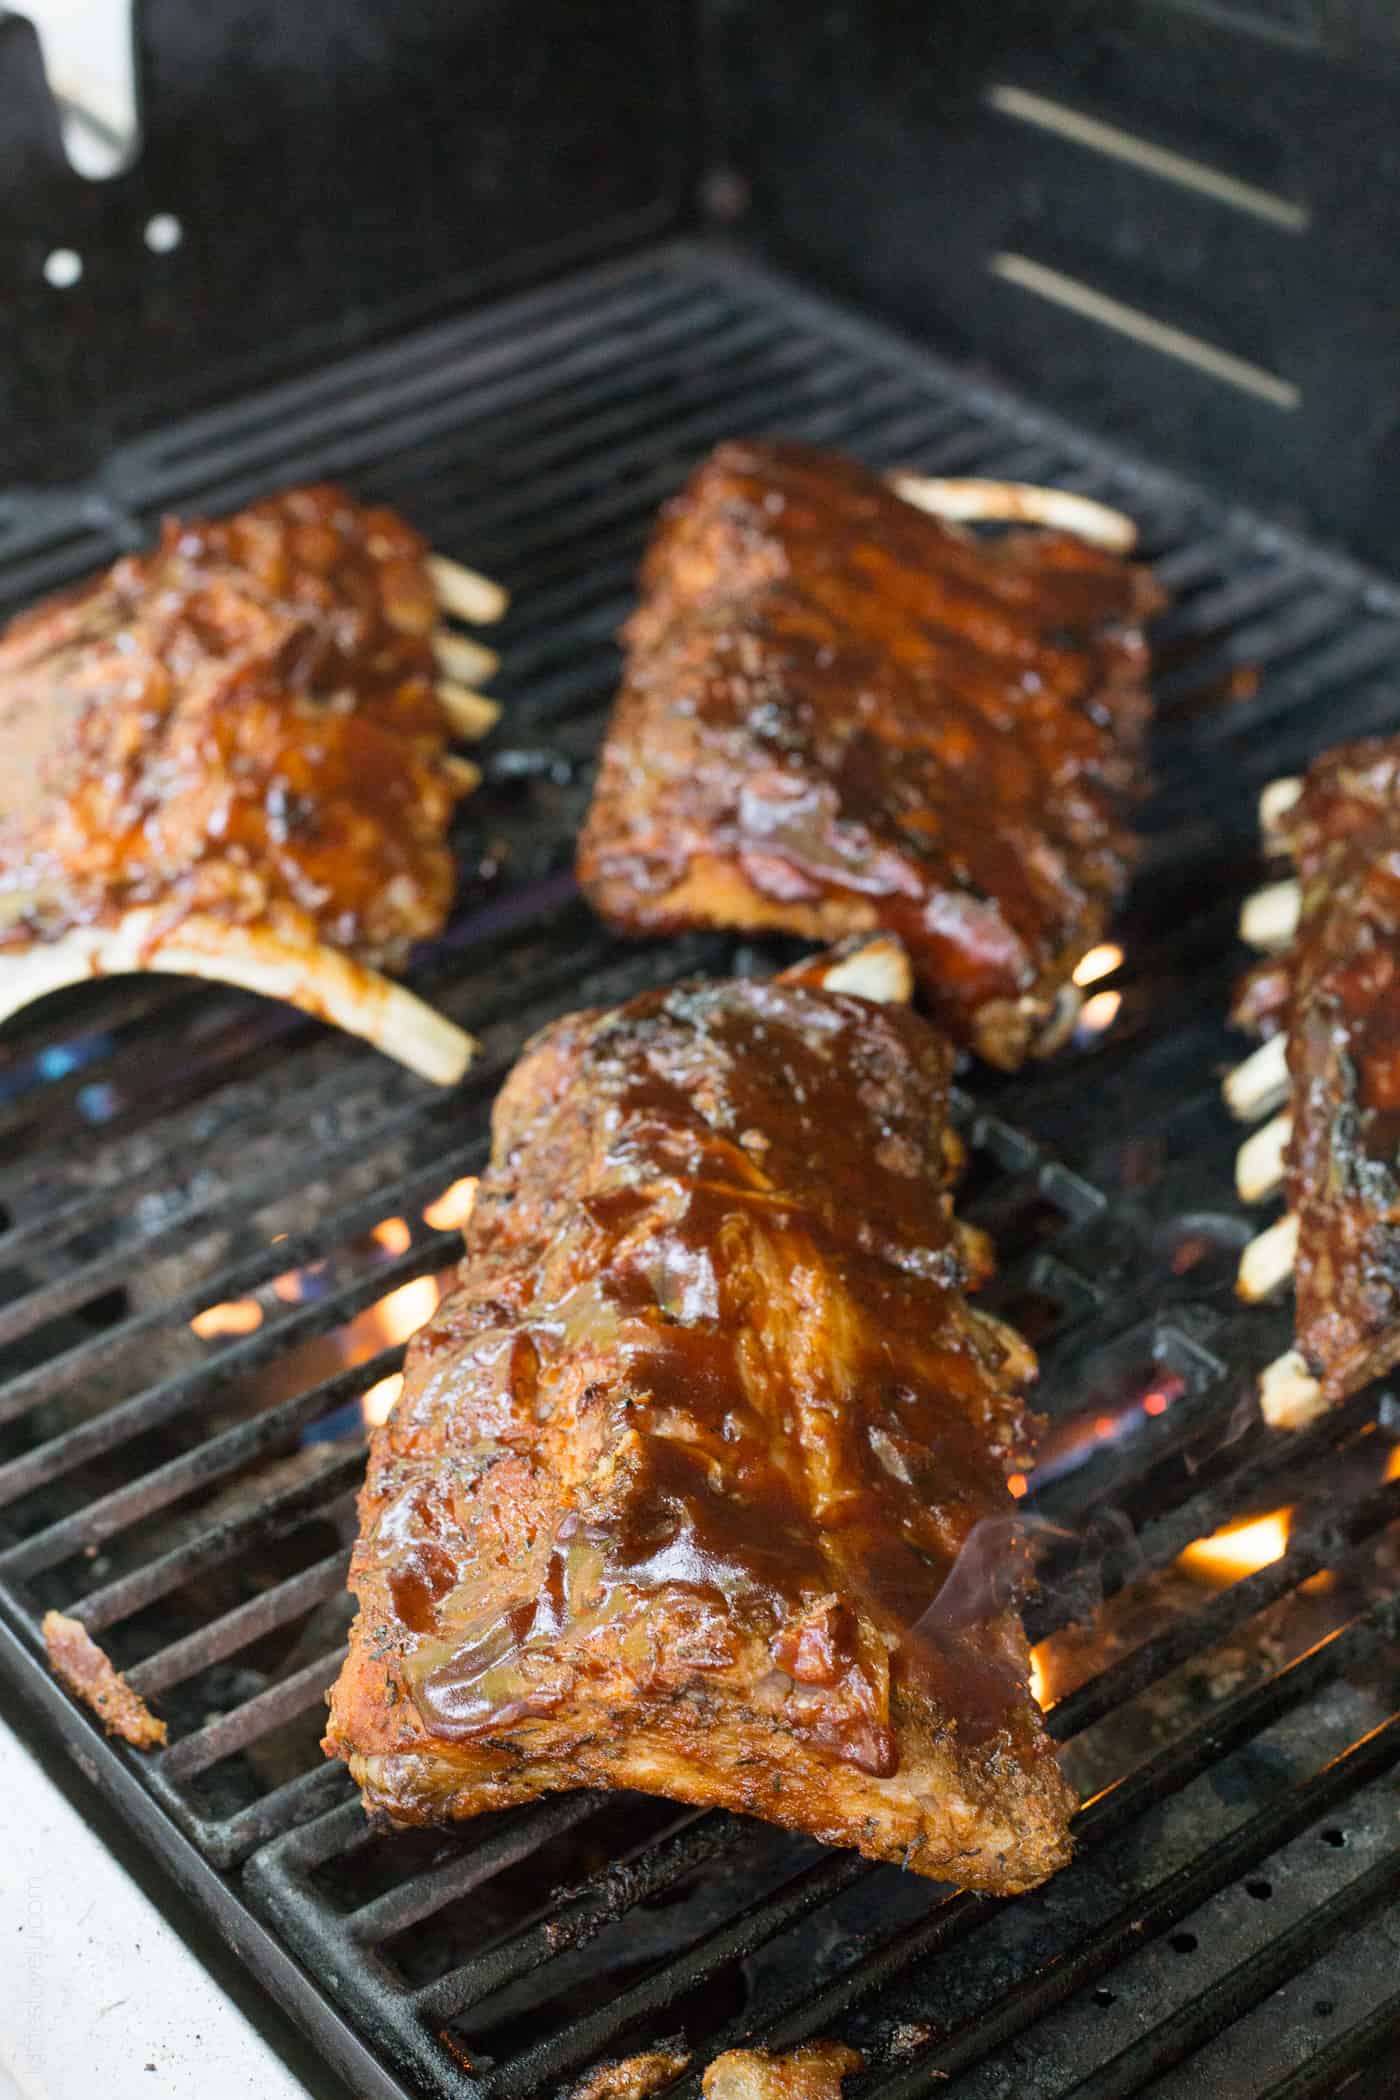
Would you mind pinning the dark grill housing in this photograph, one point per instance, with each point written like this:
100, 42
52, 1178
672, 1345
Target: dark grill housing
1229, 1927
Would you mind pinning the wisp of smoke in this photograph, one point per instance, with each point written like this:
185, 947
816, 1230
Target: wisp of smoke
1004, 1558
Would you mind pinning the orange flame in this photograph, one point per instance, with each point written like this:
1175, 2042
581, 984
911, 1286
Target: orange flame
378, 1403
1018, 1483
396, 1316
405, 1310
1040, 1675
453, 1207
1099, 962
393, 1235
1239, 1549
1392, 1464
239, 1316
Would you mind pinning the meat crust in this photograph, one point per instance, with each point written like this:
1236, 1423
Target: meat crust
839, 713
632, 2077
1336, 991
244, 721
813, 2072
697, 1482
89, 1674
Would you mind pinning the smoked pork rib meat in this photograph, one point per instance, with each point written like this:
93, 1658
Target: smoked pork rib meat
839, 713
681, 1490
1336, 992
243, 722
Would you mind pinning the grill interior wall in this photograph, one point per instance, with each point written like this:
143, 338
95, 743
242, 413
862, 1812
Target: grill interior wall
168, 1150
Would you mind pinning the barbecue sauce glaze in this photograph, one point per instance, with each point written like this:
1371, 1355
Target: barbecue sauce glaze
709, 1405
244, 721
840, 713
1337, 992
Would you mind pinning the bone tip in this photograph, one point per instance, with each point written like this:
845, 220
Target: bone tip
1060, 1024
1267, 1262
1269, 918
1259, 1165
878, 969
440, 1052
1018, 502
1278, 798
466, 592
1289, 1396
1260, 1084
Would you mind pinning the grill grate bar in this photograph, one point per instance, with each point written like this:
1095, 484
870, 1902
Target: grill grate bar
617, 421
160, 1403
1223, 605
575, 1922
1151, 1915
373, 1103
1164, 1538
212, 1461
280, 1702
367, 426
278, 1514
95, 1277
1360, 2048
784, 383
1247, 1985
1173, 1768
819, 402
344, 1829
1364, 646
1319, 1545
240, 1036
125, 1001
1280, 633
230, 1839
149, 464
248, 1622
594, 2033
413, 1900
1099, 1822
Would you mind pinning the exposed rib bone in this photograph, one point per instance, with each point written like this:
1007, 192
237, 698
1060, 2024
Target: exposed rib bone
1278, 798
968, 502
470, 714
1069, 1004
465, 593
878, 969
1259, 1164
1289, 1396
1260, 1084
1270, 917
318, 979
462, 659
1268, 1260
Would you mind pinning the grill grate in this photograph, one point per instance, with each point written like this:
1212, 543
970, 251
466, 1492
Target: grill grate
178, 1161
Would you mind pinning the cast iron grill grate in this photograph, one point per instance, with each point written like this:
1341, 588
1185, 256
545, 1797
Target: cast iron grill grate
207, 1202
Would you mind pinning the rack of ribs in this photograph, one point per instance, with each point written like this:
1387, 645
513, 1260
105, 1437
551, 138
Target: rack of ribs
1326, 998
233, 750
697, 1483
840, 713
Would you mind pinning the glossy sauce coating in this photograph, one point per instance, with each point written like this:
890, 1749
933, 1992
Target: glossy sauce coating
839, 713
244, 721
1337, 992
708, 1420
